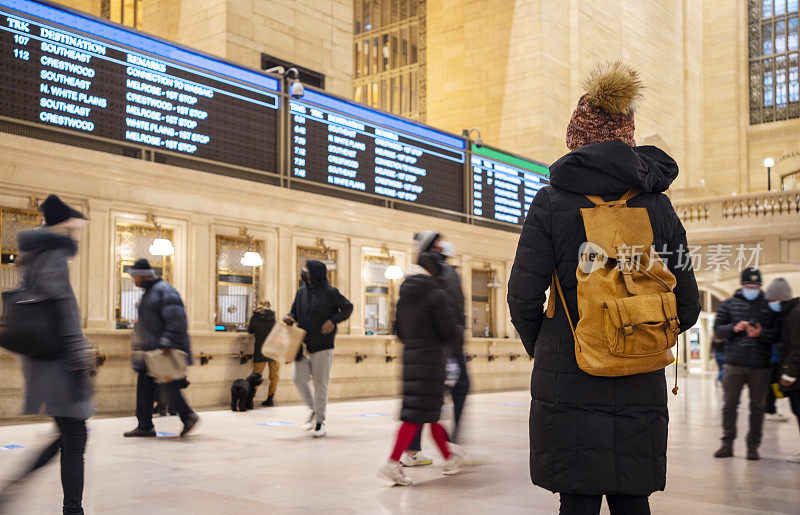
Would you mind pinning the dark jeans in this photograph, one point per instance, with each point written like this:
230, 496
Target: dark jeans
146, 390
757, 381
459, 393
71, 442
719, 357
572, 504
794, 401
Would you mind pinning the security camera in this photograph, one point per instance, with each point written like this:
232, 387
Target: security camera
296, 90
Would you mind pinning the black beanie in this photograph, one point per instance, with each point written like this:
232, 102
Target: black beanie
55, 211
751, 276
141, 267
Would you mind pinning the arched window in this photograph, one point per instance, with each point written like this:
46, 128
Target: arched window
774, 75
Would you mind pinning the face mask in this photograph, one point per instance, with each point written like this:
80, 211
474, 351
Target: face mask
448, 249
750, 293
775, 306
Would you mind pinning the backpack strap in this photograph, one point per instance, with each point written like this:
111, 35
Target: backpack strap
597, 200
551, 306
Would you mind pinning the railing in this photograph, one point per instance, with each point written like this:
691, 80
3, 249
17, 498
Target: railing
755, 207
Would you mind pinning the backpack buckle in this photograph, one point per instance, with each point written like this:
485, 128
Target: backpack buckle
674, 326
628, 328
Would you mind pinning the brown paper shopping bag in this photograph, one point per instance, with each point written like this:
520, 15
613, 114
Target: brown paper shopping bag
283, 342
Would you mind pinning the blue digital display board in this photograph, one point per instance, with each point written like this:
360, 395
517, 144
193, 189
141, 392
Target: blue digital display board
354, 148
74, 72
503, 191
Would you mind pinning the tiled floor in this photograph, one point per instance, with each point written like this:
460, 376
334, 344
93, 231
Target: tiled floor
261, 462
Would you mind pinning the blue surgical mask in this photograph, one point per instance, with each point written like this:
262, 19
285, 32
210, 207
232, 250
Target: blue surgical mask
775, 306
750, 293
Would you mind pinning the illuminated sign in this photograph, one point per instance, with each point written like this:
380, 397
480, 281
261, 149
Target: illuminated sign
503, 185
348, 146
68, 71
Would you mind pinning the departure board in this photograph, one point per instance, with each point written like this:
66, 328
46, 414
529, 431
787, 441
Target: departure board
354, 148
61, 69
503, 185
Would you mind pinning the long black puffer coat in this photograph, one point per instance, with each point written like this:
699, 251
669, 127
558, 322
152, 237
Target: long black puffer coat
424, 324
742, 350
593, 435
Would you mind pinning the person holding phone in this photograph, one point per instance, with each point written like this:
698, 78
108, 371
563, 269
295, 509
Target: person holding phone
749, 328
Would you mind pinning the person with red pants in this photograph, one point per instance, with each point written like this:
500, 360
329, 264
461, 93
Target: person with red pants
425, 325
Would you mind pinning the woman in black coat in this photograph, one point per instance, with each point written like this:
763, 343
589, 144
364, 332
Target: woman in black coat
424, 324
592, 436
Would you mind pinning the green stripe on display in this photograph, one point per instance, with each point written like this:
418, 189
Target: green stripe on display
512, 160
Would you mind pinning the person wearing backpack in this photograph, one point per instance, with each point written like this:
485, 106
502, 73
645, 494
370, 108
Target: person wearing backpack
60, 384
598, 420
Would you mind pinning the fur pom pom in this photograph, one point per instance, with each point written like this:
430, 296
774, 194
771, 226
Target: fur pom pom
614, 87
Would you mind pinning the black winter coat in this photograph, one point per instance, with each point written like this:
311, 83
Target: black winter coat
452, 285
425, 326
593, 435
261, 323
740, 349
314, 304
162, 321
790, 338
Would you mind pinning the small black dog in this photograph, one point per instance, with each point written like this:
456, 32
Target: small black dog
243, 391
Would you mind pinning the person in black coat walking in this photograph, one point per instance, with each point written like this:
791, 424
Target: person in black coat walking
62, 386
592, 436
261, 323
161, 325
749, 329
318, 308
425, 325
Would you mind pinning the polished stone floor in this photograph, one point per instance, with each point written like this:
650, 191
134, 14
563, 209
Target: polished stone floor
261, 462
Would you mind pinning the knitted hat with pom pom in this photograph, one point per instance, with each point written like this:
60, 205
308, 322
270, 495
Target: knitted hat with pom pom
605, 112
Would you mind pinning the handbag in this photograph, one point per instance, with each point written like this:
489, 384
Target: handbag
30, 323
283, 342
166, 368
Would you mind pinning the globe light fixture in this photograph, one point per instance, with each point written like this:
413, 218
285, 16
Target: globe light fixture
251, 258
393, 272
768, 164
162, 247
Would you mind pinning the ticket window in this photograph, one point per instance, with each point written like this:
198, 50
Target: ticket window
378, 295
12, 222
319, 253
134, 242
238, 282
482, 304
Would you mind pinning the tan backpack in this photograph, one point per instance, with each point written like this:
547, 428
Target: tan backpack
628, 315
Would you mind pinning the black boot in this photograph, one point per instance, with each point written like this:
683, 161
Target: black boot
269, 402
726, 451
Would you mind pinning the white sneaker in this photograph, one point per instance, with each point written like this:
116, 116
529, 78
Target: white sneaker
454, 465
775, 417
310, 424
319, 431
794, 458
414, 460
393, 472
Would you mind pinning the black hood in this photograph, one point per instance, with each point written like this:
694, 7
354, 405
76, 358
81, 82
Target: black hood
614, 167
40, 240
317, 273
416, 287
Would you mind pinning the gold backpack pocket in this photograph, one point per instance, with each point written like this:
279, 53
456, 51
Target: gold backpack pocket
641, 325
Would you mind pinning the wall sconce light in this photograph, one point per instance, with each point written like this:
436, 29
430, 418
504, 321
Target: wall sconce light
160, 246
252, 257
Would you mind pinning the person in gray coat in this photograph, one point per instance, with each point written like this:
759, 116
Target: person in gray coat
161, 326
60, 387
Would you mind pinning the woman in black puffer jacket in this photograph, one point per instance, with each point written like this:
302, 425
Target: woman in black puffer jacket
424, 324
592, 436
